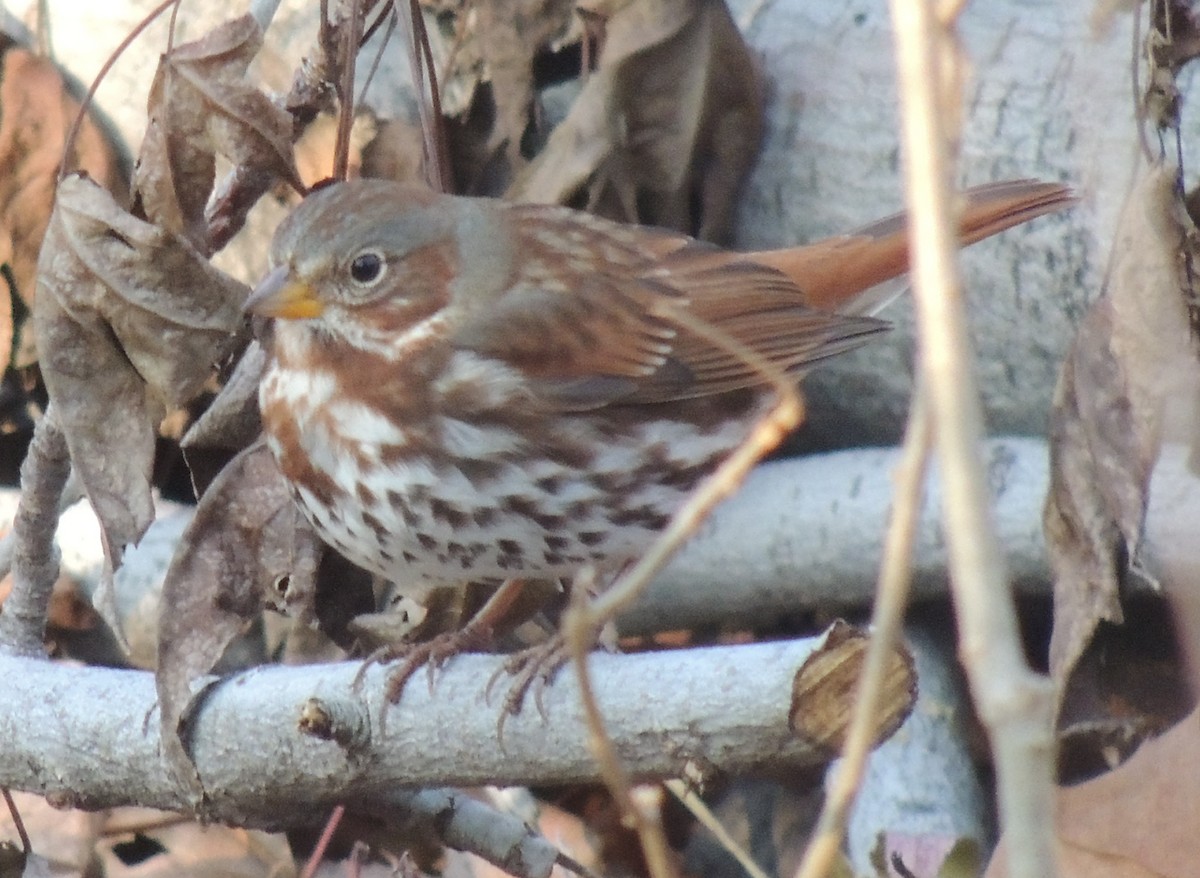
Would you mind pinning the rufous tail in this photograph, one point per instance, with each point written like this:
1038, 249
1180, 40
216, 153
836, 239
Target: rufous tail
835, 273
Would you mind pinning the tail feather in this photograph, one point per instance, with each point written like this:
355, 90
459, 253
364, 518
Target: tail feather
842, 273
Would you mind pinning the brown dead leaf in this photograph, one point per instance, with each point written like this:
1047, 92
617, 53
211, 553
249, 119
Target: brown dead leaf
666, 128
496, 41
36, 112
130, 320
246, 546
1127, 686
201, 105
1137, 820
1131, 359
511, 33
173, 848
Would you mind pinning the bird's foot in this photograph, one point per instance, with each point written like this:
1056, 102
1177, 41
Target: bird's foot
531, 669
432, 654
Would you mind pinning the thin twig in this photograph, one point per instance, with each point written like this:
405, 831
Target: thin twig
322, 845
579, 639
44, 474
1015, 704
69, 144
388, 13
777, 423
700, 810
891, 597
15, 814
429, 100
351, 35
584, 619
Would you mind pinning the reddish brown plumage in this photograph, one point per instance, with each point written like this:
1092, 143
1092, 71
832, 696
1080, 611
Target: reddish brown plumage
511, 395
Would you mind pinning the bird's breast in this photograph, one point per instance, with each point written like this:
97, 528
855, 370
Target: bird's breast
477, 483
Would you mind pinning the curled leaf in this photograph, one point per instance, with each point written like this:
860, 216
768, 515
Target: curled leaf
130, 319
1132, 358
201, 105
665, 130
246, 546
36, 112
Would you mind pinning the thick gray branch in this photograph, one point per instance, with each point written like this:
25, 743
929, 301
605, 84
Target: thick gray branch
89, 735
809, 532
801, 533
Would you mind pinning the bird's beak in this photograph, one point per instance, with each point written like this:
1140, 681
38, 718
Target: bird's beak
278, 295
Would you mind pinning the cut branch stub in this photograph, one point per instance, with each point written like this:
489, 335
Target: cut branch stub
826, 686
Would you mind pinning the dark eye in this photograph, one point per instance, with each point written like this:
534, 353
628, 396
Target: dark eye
367, 268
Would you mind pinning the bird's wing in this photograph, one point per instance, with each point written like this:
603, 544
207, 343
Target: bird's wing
589, 314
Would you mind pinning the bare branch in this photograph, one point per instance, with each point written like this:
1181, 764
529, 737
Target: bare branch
1015, 703
88, 736
44, 475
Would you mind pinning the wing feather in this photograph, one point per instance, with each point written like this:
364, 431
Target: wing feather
589, 318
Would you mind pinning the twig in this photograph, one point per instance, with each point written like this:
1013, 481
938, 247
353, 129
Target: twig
696, 805
767, 433
429, 100
892, 595
1015, 704
466, 824
69, 144
584, 619
15, 814
387, 13
351, 35
579, 639
327, 831
44, 474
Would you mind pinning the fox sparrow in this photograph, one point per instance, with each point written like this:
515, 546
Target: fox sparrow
465, 389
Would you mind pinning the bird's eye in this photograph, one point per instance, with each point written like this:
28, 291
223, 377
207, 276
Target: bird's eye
367, 268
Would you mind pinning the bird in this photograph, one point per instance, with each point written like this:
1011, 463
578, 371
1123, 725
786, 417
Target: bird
464, 389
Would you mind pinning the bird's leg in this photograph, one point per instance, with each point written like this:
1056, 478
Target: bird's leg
534, 668
477, 633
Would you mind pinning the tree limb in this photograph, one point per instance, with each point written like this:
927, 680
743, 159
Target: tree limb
87, 736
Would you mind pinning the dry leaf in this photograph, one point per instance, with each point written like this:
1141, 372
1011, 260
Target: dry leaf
665, 130
496, 41
171, 848
201, 105
130, 320
511, 33
1131, 362
1137, 820
63, 840
232, 419
36, 112
246, 545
